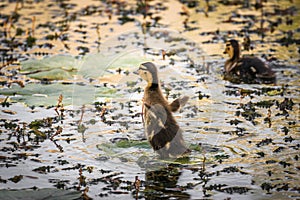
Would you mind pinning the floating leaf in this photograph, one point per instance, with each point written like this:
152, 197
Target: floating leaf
55, 74
59, 67
16, 179
9, 112
132, 143
39, 133
46, 193
63, 67
67, 63
81, 128
275, 92
195, 147
37, 94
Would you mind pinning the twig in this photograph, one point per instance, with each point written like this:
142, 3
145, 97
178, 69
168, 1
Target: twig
203, 164
137, 184
60, 106
99, 37
58, 131
33, 25
262, 21
81, 117
61, 149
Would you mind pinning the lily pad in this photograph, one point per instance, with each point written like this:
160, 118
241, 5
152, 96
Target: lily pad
123, 144
47, 193
67, 63
133, 143
59, 67
47, 95
55, 74
97, 65
64, 67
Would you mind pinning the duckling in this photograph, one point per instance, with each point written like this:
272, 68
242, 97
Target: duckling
245, 69
161, 128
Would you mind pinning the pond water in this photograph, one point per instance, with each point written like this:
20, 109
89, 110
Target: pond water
71, 123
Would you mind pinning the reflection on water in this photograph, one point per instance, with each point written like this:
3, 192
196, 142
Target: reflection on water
244, 138
163, 183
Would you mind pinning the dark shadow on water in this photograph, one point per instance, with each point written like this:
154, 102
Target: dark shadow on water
162, 184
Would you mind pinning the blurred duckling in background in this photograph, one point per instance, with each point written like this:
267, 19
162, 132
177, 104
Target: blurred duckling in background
245, 69
161, 129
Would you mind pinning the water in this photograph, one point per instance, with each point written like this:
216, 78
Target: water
245, 138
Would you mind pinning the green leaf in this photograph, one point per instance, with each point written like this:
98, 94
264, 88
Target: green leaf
67, 63
133, 143
39, 133
46, 193
47, 95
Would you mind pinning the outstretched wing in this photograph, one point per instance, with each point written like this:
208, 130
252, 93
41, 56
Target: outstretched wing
177, 103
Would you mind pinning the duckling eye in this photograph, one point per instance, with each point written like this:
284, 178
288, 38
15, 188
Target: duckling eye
145, 72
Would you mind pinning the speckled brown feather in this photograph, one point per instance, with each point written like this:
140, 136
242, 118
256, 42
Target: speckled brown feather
161, 128
245, 69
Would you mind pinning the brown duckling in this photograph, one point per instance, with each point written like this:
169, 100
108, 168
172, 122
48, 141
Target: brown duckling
161, 128
245, 69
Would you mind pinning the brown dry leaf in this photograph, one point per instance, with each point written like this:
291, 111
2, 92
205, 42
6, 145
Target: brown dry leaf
53, 151
185, 10
9, 112
19, 82
60, 98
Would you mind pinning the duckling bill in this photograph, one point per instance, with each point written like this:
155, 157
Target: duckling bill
161, 129
245, 69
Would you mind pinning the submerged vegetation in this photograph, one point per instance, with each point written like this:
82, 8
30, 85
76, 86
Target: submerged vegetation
71, 122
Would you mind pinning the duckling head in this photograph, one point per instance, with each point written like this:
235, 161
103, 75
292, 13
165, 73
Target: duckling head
232, 49
148, 72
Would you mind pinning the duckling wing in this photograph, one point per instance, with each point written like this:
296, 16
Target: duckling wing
177, 103
255, 70
163, 132
254, 65
155, 119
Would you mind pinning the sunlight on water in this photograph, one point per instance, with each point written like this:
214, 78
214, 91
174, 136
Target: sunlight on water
72, 103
